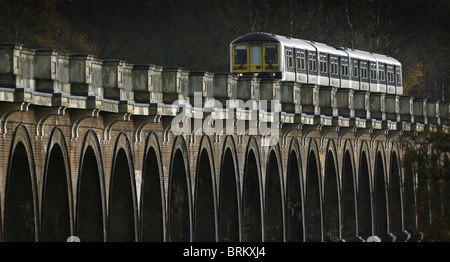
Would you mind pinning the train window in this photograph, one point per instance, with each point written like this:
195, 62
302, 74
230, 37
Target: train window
334, 65
271, 54
323, 64
256, 54
399, 76
240, 54
390, 73
355, 71
312, 62
364, 70
290, 59
301, 61
373, 72
344, 67
381, 73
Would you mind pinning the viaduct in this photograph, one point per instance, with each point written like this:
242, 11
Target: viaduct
109, 151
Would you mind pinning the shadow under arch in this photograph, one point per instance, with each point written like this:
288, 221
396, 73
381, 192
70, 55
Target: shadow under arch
179, 202
274, 204
152, 216
122, 199
294, 195
57, 204
205, 194
331, 195
364, 202
91, 216
313, 212
21, 219
409, 205
380, 193
252, 230
229, 194
348, 205
394, 193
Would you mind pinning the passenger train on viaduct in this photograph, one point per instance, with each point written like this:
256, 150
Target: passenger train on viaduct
273, 56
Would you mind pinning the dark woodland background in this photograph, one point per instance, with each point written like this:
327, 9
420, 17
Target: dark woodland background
195, 34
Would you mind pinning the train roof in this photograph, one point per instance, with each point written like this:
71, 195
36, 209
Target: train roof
329, 49
310, 45
386, 59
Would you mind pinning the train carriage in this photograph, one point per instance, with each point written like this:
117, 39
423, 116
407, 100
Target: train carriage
273, 56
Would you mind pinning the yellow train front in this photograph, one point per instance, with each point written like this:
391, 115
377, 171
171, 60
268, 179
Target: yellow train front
256, 54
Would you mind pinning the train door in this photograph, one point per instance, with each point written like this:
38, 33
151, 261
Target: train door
256, 55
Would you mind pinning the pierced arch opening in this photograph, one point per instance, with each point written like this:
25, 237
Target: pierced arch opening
274, 213
252, 226
364, 201
313, 212
90, 207
331, 201
121, 206
152, 206
294, 206
228, 200
20, 222
423, 197
395, 207
348, 203
380, 197
56, 225
409, 206
179, 218
205, 225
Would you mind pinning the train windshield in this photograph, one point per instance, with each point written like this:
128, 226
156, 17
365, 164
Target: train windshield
271, 54
240, 54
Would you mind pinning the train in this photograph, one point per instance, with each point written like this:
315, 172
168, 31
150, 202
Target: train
267, 55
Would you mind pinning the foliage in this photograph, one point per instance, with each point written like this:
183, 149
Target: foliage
430, 161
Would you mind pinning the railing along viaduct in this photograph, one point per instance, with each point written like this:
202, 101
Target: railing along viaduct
98, 149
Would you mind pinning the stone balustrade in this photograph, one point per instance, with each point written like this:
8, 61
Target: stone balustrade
52, 79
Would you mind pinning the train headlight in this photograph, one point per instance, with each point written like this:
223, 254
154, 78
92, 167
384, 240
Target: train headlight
240, 74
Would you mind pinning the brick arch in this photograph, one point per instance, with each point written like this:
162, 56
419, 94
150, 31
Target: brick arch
229, 193
152, 202
364, 192
205, 215
331, 195
380, 192
348, 204
274, 200
179, 199
123, 218
21, 213
313, 203
91, 210
252, 198
57, 202
394, 191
